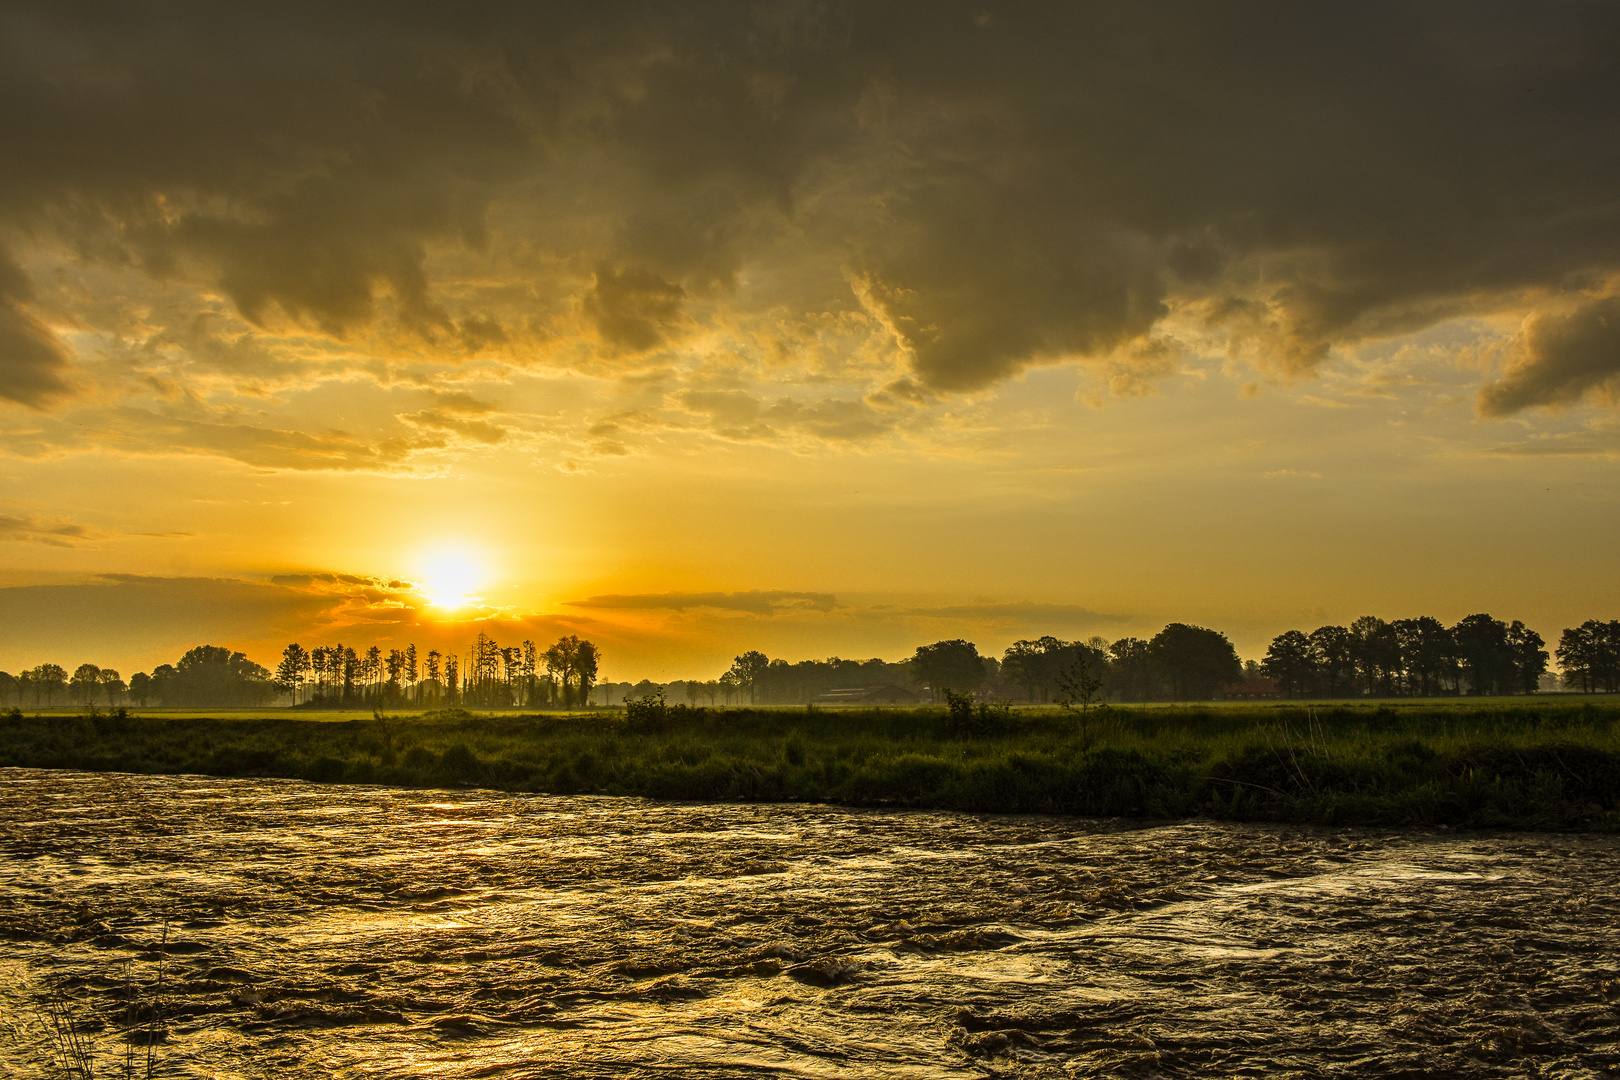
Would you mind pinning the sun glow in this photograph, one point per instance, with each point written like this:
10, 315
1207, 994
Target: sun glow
450, 576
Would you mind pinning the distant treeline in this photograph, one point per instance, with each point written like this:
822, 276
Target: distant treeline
205, 676
1418, 657
489, 676
1422, 657
1181, 662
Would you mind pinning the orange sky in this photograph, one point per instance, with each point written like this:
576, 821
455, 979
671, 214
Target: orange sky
822, 331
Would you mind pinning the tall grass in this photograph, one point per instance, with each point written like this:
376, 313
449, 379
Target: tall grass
1531, 764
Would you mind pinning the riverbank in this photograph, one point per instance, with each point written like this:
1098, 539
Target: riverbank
1535, 764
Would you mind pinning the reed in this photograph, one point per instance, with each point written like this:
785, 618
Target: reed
1528, 764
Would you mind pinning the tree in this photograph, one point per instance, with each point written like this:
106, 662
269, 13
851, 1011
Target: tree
1196, 662
140, 688
1290, 662
1529, 656
585, 670
1428, 655
430, 671
48, 680
748, 670
1589, 656
1021, 664
86, 683
112, 684
1081, 681
214, 675
1488, 661
573, 663
1376, 654
1333, 659
1131, 673
952, 665
295, 664
1039, 665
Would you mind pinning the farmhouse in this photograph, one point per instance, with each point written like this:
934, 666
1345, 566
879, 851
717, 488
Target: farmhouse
1251, 690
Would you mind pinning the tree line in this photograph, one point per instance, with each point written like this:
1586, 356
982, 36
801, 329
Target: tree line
1418, 657
207, 675
1181, 662
1370, 657
333, 676
487, 676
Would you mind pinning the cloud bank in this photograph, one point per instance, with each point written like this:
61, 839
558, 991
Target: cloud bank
891, 202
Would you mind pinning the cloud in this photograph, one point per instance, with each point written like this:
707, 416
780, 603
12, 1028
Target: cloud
634, 310
34, 529
267, 448
738, 415
758, 602
554, 185
33, 363
1562, 358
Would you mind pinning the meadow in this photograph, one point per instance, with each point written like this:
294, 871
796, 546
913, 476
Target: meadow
1550, 763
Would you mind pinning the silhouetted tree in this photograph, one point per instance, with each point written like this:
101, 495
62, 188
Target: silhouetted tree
1376, 653
112, 684
1589, 656
214, 675
1131, 676
952, 665
1332, 655
1289, 661
1529, 656
1194, 661
140, 688
573, 663
748, 670
1488, 660
290, 673
48, 681
86, 684
1428, 655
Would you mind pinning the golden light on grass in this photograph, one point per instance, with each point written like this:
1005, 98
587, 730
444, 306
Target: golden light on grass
450, 575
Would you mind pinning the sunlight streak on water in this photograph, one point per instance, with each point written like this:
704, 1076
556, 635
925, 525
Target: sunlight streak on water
369, 932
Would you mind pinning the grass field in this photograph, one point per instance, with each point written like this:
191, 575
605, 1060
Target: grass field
1517, 762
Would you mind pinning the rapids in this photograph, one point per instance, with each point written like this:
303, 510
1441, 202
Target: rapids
302, 930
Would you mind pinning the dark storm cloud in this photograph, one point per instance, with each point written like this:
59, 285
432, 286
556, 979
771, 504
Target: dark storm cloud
1564, 357
32, 362
997, 185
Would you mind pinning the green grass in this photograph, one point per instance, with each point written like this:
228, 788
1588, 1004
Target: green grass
1522, 763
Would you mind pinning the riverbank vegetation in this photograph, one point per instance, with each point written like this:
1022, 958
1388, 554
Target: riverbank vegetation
1542, 764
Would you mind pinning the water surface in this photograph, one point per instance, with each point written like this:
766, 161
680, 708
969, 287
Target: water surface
322, 930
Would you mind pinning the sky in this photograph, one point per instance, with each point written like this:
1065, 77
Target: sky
813, 327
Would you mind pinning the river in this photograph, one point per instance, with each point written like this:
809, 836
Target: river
264, 928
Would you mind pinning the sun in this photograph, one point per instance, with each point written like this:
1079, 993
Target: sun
450, 576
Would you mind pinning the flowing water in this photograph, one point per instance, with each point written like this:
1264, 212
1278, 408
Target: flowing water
261, 928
